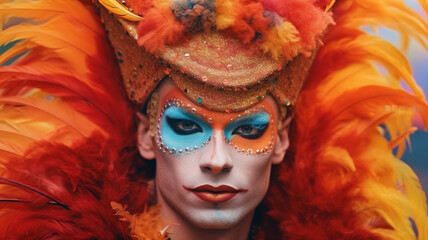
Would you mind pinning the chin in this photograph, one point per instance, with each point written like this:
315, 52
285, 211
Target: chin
214, 219
219, 224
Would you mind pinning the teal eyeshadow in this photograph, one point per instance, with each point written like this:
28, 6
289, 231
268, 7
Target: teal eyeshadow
257, 120
176, 141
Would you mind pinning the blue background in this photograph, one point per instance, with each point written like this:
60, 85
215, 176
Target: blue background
416, 155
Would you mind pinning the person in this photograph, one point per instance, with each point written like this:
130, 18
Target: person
208, 119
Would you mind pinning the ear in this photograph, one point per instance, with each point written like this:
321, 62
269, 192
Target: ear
282, 143
145, 141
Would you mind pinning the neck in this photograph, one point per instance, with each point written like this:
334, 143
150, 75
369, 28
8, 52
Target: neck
181, 229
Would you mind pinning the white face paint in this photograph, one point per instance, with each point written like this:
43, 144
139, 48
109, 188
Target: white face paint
215, 185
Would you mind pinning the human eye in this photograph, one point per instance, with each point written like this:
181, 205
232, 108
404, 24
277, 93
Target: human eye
250, 131
183, 126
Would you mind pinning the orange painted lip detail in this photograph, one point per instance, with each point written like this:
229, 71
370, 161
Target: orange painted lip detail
213, 194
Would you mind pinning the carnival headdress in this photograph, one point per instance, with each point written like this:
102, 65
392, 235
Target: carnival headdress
67, 136
224, 55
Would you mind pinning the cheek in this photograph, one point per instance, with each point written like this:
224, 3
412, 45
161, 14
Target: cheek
172, 170
254, 168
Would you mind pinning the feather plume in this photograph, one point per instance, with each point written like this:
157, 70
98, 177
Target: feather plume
66, 126
64, 191
68, 68
341, 179
159, 28
146, 225
120, 10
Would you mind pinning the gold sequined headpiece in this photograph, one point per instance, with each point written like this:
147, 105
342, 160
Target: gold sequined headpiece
206, 50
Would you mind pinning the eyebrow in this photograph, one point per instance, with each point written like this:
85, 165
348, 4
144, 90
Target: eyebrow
184, 111
256, 116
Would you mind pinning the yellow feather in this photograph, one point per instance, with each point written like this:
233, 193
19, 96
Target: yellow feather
40, 115
226, 13
284, 35
38, 11
143, 226
352, 60
330, 5
414, 194
119, 10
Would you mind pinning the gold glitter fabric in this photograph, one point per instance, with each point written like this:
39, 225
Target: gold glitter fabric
141, 71
213, 70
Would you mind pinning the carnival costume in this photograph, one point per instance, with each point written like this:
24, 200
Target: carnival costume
69, 164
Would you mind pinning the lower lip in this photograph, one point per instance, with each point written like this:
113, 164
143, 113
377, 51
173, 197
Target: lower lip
215, 197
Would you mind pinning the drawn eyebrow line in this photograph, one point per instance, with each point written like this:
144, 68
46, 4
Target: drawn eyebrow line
187, 114
251, 117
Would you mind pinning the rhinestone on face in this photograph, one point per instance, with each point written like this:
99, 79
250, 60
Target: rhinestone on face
160, 143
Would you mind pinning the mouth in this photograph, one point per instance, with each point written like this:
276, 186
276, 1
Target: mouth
213, 194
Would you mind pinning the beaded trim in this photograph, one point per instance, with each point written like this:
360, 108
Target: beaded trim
178, 103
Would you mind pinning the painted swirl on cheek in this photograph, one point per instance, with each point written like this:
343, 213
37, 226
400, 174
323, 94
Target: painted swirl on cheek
253, 132
182, 131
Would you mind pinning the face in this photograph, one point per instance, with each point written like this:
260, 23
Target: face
213, 168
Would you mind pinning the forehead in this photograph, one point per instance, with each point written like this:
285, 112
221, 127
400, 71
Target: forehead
169, 92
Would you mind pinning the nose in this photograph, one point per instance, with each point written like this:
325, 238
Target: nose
217, 160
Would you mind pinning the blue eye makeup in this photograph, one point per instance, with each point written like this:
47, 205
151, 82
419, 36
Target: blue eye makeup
249, 127
183, 126
182, 131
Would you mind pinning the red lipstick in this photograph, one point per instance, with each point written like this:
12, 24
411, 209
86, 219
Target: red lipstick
213, 194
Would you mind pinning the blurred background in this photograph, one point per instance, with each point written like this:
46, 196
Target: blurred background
417, 154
